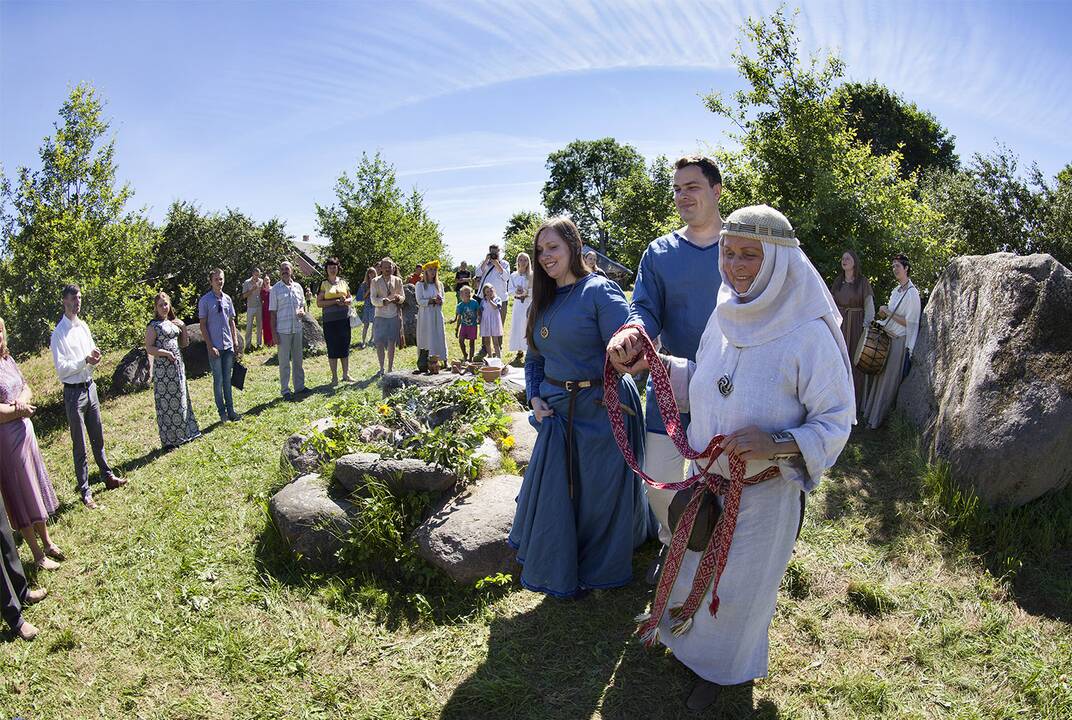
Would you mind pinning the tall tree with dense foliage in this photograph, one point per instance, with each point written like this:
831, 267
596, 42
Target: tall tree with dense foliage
520, 234
583, 178
193, 243
990, 207
372, 218
892, 124
798, 153
67, 222
642, 209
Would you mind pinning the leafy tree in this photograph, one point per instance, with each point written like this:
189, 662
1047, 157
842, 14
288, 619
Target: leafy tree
520, 233
194, 243
583, 176
891, 123
989, 207
798, 153
372, 218
66, 222
642, 209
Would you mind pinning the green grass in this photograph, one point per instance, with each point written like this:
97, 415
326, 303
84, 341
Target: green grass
179, 600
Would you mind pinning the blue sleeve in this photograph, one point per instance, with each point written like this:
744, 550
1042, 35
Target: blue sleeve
533, 373
648, 297
612, 310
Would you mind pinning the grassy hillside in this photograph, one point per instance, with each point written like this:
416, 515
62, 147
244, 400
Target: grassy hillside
178, 600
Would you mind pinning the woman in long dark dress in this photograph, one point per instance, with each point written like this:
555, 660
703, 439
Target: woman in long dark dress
164, 337
269, 339
856, 302
581, 510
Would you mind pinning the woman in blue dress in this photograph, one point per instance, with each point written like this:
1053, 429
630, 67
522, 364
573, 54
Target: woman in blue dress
581, 510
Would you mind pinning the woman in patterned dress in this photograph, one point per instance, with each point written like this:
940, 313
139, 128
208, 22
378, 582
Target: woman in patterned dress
24, 483
174, 412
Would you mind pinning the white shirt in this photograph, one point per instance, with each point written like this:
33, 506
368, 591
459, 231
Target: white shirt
285, 300
910, 307
71, 343
497, 275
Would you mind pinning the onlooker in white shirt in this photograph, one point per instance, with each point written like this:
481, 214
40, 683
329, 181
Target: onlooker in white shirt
75, 354
251, 293
286, 302
495, 271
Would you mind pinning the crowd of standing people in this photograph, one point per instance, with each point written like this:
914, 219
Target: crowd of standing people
751, 394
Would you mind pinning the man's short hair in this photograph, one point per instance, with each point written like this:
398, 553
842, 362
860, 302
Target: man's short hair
257, 270
493, 246
214, 272
707, 167
70, 290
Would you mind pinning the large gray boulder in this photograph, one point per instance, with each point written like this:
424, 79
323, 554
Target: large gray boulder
311, 522
298, 454
195, 354
133, 372
467, 537
313, 342
991, 383
524, 438
406, 475
409, 316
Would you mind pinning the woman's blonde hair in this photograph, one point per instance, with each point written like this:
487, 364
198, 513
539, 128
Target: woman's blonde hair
3, 343
171, 306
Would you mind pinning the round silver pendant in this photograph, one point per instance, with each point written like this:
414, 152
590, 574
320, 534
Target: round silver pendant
725, 385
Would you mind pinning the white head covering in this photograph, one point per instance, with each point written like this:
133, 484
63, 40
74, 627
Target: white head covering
786, 292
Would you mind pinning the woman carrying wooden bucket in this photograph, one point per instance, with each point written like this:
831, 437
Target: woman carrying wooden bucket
901, 323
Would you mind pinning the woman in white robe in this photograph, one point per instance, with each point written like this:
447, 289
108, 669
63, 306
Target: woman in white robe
772, 374
521, 287
431, 331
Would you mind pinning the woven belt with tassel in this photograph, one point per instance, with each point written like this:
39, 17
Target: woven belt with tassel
713, 560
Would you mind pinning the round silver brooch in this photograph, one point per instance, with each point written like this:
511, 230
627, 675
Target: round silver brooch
725, 385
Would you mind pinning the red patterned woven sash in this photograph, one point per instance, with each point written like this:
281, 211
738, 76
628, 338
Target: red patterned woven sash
713, 560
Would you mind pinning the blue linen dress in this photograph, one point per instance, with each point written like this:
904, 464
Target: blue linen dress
567, 545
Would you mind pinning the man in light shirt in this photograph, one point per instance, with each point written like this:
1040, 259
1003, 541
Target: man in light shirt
494, 271
286, 302
75, 354
216, 312
251, 293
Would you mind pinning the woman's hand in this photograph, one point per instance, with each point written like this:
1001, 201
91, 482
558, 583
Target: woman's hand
750, 443
623, 350
166, 354
540, 409
23, 409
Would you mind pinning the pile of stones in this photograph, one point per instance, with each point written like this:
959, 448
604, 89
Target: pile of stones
465, 532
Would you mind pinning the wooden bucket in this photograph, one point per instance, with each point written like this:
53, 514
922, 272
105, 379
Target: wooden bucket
874, 348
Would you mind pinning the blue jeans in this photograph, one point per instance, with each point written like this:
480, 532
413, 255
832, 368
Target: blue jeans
221, 382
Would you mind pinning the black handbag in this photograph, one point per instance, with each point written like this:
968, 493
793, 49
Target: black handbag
238, 375
706, 517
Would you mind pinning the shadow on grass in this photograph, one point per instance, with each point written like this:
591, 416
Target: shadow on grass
882, 480
570, 659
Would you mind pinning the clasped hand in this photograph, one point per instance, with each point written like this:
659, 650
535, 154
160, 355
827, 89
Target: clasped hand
624, 353
540, 409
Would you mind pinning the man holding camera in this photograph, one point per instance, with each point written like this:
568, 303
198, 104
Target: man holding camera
494, 271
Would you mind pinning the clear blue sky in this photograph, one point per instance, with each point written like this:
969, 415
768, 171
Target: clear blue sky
260, 106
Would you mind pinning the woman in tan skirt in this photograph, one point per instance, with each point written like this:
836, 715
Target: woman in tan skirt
856, 302
900, 317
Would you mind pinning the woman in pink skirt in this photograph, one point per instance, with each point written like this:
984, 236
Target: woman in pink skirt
24, 481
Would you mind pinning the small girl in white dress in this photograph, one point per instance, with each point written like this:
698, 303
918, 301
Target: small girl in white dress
491, 328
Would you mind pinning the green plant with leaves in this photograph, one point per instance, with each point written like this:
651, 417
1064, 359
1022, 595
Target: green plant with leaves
372, 217
67, 222
797, 152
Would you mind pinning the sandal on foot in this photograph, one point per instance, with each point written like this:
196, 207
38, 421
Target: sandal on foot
55, 553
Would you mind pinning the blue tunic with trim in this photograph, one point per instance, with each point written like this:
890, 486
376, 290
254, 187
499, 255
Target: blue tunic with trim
567, 545
676, 289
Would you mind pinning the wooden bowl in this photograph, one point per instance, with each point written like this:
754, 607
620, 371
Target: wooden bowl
490, 374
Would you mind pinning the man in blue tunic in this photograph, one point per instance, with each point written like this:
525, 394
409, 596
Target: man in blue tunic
676, 289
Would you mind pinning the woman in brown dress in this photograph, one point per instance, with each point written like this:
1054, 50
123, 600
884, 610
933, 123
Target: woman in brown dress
856, 302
